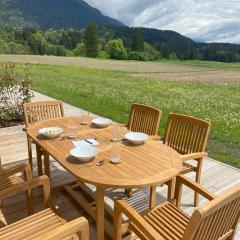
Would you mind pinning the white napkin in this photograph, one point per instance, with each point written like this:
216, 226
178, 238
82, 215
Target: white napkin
87, 142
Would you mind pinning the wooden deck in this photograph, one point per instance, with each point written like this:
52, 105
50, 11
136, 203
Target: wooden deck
217, 177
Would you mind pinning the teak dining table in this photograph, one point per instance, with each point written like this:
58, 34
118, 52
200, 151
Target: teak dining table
146, 165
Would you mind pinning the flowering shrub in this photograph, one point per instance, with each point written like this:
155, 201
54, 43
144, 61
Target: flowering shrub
14, 91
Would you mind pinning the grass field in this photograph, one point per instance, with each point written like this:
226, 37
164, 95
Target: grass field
110, 94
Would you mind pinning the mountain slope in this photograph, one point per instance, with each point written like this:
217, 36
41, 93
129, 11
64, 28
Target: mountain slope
51, 14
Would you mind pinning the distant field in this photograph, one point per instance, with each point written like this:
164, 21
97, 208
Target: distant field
126, 66
210, 72
110, 93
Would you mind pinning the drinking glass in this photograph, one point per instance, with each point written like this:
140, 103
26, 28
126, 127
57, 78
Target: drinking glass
72, 129
116, 132
116, 152
85, 118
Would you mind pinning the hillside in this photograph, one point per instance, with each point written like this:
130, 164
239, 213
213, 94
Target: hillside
51, 14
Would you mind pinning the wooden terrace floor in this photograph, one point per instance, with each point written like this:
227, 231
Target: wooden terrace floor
217, 178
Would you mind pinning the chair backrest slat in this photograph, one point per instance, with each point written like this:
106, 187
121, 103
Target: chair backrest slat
186, 134
39, 111
145, 119
217, 220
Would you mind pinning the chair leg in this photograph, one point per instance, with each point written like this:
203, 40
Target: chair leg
30, 202
39, 160
128, 192
198, 179
47, 164
29, 142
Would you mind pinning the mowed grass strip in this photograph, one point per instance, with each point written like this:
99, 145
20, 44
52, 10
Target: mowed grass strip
111, 93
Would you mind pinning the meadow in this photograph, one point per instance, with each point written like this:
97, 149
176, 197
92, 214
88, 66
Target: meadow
110, 93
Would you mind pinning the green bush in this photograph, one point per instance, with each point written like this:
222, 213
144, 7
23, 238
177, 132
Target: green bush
103, 55
172, 56
139, 56
116, 50
14, 92
150, 53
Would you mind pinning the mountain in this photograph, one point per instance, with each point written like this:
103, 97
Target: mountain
51, 14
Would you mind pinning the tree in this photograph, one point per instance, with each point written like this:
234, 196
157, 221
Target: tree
38, 43
115, 49
137, 40
80, 50
91, 40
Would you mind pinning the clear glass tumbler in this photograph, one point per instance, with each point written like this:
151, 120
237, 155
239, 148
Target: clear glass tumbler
116, 132
116, 152
72, 129
85, 119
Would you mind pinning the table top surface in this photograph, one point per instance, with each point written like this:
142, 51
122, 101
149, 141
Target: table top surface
144, 165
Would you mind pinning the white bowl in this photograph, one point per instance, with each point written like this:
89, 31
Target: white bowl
101, 122
51, 132
84, 153
136, 138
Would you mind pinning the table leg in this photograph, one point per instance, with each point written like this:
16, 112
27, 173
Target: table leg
171, 189
153, 192
47, 164
39, 160
100, 213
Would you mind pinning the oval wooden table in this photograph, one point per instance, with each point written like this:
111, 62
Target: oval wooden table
145, 165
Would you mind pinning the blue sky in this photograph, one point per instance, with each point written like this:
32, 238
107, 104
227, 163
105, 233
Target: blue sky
206, 20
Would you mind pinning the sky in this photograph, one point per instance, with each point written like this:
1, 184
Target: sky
202, 20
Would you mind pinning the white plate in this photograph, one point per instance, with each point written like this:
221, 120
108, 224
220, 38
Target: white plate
101, 122
51, 132
85, 153
136, 138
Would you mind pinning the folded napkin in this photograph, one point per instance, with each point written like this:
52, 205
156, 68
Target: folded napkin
86, 142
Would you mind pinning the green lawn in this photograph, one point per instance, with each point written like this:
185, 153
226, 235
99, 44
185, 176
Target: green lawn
210, 64
110, 94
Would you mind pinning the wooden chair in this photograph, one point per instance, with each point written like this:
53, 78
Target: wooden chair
217, 220
145, 119
188, 136
8, 179
39, 111
44, 225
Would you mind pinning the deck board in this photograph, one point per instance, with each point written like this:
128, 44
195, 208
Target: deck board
217, 178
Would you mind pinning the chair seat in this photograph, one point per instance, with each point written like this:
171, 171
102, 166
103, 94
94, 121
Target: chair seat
33, 226
168, 221
9, 181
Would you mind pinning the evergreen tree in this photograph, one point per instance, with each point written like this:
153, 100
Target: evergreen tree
137, 40
91, 40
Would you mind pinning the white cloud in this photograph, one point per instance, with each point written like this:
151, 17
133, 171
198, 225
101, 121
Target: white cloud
209, 20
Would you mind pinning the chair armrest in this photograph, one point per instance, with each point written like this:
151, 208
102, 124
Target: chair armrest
79, 225
193, 156
183, 180
122, 207
26, 186
22, 167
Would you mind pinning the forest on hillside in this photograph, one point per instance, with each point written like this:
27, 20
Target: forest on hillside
113, 42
